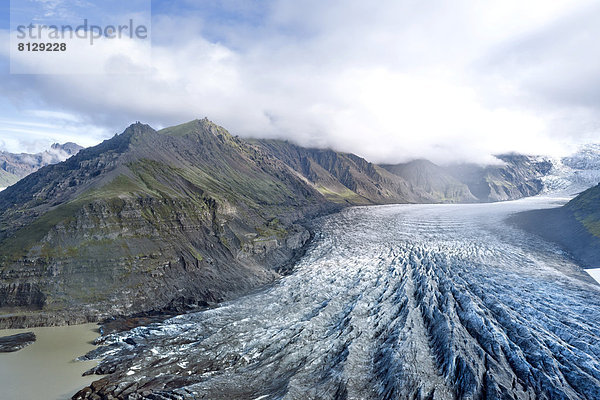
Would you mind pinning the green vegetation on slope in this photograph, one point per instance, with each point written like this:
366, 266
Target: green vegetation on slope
18, 245
586, 208
343, 196
574, 226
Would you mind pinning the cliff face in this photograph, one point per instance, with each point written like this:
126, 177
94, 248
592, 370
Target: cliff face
433, 180
148, 220
519, 176
348, 179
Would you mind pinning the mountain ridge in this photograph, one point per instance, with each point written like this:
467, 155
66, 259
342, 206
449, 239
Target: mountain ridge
519, 176
122, 228
433, 179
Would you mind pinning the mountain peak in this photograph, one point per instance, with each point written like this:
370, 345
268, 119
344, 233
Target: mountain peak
201, 127
69, 147
138, 128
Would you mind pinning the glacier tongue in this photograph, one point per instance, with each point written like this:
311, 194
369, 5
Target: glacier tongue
407, 301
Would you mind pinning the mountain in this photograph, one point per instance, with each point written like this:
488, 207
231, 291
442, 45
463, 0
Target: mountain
15, 166
574, 226
517, 176
426, 176
185, 217
348, 179
148, 220
340, 177
575, 173
7, 179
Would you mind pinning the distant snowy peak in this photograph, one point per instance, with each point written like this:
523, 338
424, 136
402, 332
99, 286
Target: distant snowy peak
575, 173
586, 158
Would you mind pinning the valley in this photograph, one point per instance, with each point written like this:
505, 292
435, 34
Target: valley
124, 228
219, 261
399, 301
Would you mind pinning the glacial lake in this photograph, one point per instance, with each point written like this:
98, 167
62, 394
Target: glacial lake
46, 369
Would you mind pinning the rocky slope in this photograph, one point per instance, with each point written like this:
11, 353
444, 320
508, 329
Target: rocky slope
434, 180
349, 179
575, 226
148, 220
15, 166
518, 176
344, 178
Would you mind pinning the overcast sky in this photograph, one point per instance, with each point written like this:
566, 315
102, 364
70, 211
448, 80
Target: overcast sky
390, 80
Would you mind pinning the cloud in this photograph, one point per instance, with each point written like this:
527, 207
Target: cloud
402, 80
35, 130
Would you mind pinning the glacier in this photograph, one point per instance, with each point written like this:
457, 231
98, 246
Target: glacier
574, 173
389, 302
